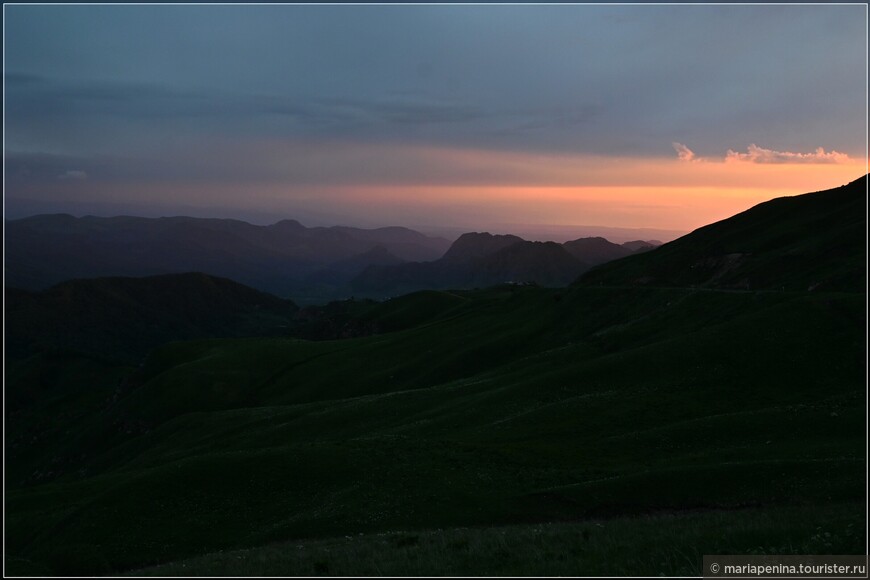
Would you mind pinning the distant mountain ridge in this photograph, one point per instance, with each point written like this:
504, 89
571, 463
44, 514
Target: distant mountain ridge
281, 258
480, 259
311, 265
598, 250
814, 241
475, 245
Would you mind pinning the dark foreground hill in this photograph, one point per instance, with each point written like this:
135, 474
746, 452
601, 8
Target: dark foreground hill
815, 241
516, 405
124, 318
588, 430
285, 258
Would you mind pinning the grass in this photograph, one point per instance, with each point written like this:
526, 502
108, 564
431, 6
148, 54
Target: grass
814, 241
512, 407
662, 544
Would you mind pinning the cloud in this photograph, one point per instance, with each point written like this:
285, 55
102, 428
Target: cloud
756, 154
73, 175
683, 152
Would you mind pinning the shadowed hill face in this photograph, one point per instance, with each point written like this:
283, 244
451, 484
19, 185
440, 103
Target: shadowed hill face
545, 263
815, 241
378, 256
125, 317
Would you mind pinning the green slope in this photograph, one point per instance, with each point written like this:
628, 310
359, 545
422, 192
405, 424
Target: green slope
660, 545
518, 405
127, 317
717, 417
815, 241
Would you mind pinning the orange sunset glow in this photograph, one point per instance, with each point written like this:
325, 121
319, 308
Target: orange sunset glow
441, 119
657, 193
479, 189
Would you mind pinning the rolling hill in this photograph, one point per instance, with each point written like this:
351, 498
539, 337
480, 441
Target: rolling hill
506, 406
124, 318
815, 241
618, 428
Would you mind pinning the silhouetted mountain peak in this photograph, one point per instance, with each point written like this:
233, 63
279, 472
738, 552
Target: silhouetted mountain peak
476, 245
591, 240
476, 260
595, 250
545, 263
641, 245
291, 225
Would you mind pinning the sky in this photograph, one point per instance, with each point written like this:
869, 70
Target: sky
461, 116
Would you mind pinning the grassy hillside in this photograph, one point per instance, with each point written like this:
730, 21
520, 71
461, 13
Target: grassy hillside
625, 425
124, 318
815, 241
506, 406
664, 544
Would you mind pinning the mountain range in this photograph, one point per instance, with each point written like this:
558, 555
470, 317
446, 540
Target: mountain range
478, 260
285, 258
310, 265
